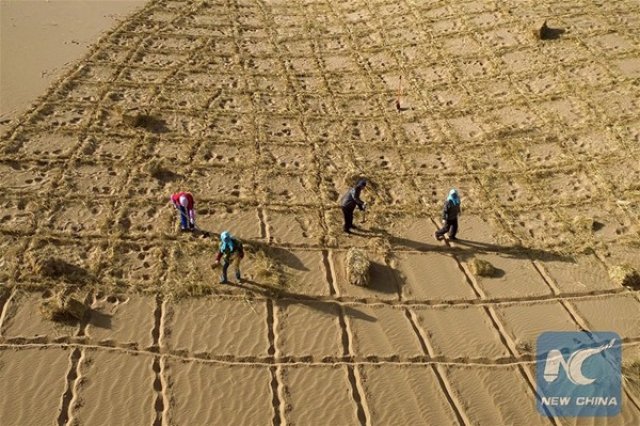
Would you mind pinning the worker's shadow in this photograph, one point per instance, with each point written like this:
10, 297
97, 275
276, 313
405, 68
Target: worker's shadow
283, 256
465, 249
328, 307
99, 319
514, 252
384, 279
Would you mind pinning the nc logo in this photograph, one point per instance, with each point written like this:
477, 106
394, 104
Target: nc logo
573, 366
578, 374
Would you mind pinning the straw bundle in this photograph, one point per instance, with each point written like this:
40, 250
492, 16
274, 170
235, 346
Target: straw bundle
357, 267
625, 275
482, 268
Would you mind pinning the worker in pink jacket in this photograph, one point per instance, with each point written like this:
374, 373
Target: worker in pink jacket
183, 202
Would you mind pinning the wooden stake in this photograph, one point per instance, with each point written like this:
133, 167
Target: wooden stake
398, 107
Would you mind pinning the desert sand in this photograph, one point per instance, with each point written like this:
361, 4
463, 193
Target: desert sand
267, 111
40, 39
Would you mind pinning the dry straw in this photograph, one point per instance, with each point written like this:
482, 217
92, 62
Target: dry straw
482, 268
625, 275
631, 376
357, 267
63, 308
269, 270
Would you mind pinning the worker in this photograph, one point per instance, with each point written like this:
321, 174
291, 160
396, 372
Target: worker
184, 204
450, 214
349, 202
230, 250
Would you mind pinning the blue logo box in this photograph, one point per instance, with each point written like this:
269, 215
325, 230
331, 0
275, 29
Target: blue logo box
579, 374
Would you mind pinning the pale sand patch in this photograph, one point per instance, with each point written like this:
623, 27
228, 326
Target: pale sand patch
123, 321
287, 189
481, 233
308, 329
11, 247
241, 222
305, 271
224, 327
293, 227
89, 217
621, 255
18, 215
262, 110
91, 180
33, 397
224, 155
56, 144
139, 219
56, 33
525, 322
432, 276
329, 389
405, 395
24, 320
411, 232
28, 177
383, 331
518, 278
134, 263
217, 394
221, 184
475, 335
495, 396
108, 148
625, 321
582, 274
124, 380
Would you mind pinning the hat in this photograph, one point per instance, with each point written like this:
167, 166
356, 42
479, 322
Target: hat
225, 235
184, 202
361, 183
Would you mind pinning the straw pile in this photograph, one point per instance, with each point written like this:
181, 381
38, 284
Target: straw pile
60, 308
631, 375
625, 275
482, 268
357, 267
140, 118
268, 269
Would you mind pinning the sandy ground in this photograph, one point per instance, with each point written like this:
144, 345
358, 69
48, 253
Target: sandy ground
41, 39
265, 111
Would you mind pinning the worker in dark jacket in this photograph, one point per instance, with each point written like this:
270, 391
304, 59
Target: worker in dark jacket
450, 215
350, 201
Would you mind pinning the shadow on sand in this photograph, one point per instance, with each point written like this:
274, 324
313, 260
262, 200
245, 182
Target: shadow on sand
325, 306
468, 248
99, 319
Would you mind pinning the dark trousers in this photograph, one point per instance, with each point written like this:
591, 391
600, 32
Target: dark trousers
226, 262
348, 217
450, 226
184, 220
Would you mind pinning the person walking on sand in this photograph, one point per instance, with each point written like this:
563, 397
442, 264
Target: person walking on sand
450, 214
184, 204
349, 201
230, 250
